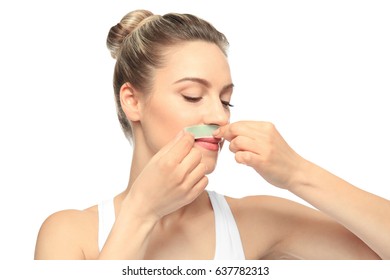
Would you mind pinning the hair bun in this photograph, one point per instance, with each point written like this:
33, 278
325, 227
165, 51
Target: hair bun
119, 32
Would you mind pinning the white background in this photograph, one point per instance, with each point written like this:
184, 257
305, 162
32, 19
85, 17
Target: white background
319, 70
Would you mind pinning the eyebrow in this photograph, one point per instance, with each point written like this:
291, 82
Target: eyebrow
202, 82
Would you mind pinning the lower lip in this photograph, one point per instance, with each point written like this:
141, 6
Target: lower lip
208, 146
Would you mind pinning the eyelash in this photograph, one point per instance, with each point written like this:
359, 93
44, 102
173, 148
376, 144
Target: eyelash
226, 104
192, 99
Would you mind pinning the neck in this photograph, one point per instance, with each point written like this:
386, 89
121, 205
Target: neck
141, 157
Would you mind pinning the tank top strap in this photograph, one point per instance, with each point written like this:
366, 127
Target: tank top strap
228, 241
106, 212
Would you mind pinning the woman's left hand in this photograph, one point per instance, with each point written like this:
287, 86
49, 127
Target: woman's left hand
259, 145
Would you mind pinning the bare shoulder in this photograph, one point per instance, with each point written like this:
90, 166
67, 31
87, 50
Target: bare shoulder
68, 234
271, 208
278, 215
264, 205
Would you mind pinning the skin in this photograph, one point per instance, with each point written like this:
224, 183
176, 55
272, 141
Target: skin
164, 213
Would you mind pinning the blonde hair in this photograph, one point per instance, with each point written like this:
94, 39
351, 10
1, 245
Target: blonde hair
138, 42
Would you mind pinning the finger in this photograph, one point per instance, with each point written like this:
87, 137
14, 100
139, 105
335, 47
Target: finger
219, 133
230, 131
243, 143
197, 174
247, 158
191, 161
197, 190
199, 187
181, 148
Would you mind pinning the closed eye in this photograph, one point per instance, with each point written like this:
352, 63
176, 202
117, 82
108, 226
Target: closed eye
226, 104
192, 99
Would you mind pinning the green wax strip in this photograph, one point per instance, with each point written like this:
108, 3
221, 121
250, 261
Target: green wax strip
202, 131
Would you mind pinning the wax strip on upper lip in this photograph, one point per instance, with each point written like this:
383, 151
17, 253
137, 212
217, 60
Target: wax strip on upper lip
202, 131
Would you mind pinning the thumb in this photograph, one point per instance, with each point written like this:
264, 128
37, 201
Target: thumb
222, 132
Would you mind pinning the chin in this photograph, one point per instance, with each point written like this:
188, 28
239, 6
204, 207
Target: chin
211, 164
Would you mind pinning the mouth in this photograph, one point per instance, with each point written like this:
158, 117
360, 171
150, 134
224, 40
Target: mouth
209, 140
211, 144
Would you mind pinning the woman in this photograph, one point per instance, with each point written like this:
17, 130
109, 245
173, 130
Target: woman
172, 72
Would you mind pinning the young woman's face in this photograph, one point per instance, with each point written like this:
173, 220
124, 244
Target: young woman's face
193, 88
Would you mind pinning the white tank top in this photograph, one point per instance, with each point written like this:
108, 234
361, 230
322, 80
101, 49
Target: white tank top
228, 240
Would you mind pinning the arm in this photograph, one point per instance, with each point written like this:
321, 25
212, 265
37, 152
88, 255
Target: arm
294, 231
259, 145
363, 213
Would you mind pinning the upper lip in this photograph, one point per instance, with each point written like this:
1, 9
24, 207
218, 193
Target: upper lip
209, 140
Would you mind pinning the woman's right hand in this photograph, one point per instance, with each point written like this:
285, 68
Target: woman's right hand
173, 178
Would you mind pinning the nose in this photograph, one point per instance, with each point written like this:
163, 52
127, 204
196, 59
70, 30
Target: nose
216, 113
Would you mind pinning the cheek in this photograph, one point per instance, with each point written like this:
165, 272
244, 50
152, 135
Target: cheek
161, 122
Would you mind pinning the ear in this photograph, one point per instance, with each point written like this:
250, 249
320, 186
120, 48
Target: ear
130, 102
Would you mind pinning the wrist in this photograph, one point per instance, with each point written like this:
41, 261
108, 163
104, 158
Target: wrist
138, 210
302, 177
130, 223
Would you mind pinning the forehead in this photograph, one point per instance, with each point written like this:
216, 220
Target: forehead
195, 59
